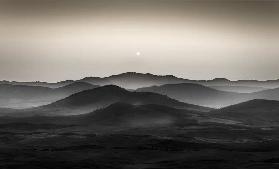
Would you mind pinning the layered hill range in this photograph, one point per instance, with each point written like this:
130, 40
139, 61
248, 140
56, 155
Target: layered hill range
119, 114
133, 80
207, 96
112, 106
214, 93
256, 112
93, 99
69, 125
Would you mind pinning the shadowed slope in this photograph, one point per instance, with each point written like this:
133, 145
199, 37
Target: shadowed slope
122, 114
115, 115
255, 112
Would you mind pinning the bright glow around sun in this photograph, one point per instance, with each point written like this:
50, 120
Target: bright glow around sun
138, 53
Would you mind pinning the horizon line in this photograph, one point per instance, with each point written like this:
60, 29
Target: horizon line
158, 75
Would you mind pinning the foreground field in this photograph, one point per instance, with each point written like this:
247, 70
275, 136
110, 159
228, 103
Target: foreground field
198, 146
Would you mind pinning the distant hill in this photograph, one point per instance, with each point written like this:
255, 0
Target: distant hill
75, 87
238, 89
218, 92
197, 94
90, 100
269, 94
22, 96
38, 83
253, 112
268, 84
207, 96
133, 80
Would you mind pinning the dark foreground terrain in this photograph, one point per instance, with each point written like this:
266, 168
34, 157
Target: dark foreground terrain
203, 146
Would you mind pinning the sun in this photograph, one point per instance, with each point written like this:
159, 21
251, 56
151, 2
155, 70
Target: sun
138, 53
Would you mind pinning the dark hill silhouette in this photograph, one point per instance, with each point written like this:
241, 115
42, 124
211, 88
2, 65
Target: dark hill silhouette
197, 94
100, 94
254, 112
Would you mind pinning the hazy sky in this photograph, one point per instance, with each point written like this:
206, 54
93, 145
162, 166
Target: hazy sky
52, 40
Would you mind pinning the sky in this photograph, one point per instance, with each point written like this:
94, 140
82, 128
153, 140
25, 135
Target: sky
53, 40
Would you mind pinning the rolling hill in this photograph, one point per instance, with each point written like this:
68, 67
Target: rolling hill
269, 94
22, 96
253, 112
207, 96
75, 88
117, 115
197, 94
133, 80
89, 100
123, 114
93, 99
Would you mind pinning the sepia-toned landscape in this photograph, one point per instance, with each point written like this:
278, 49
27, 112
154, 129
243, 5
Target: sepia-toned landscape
139, 84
